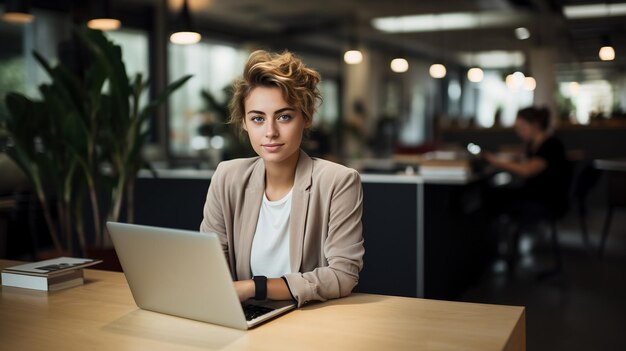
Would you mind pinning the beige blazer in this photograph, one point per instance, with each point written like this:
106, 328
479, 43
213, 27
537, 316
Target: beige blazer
325, 230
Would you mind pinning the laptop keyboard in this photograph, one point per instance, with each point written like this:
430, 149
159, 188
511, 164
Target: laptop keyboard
254, 311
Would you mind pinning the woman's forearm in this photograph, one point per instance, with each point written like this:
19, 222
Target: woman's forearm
277, 289
526, 169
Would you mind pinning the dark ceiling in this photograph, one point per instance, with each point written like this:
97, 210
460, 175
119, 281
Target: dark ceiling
329, 25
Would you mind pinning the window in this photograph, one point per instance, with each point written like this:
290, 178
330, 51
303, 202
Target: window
588, 100
135, 50
19, 70
214, 66
492, 100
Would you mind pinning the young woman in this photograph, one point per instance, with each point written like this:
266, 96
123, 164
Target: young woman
290, 225
546, 171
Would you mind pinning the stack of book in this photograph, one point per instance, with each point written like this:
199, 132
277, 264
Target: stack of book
445, 169
48, 275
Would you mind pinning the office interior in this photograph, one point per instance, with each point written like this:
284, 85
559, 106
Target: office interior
405, 85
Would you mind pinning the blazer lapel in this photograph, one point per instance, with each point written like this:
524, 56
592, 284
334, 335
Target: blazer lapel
299, 209
250, 217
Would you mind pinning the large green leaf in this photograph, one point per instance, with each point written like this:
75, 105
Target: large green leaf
151, 107
109, 56
68, 85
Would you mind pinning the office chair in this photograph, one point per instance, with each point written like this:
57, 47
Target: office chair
530, 219
616, 197
531, 216
585, 179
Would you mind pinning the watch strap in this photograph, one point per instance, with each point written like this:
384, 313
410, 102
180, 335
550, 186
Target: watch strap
260, 287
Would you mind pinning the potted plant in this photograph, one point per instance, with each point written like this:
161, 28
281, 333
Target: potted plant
81, 138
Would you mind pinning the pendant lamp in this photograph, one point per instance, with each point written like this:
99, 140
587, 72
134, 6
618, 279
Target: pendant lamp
17, 11
184, 32
101, 18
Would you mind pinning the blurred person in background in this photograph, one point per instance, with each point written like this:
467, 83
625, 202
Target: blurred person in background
544, 171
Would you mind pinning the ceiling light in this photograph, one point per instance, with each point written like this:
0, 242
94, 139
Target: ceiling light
519, 76
17, 11
574, 87
353, 57
185, 38
595, 10
399, 65
101, 18
511, 83
447, 21
515, 81
104, 24
529, 83
437, 70
494, 59
607, 53
184, 34
475, 75
522, 33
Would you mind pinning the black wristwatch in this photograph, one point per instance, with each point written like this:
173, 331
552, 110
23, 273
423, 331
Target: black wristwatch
260, 287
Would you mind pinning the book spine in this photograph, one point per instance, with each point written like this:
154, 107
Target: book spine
56, 282
24, 281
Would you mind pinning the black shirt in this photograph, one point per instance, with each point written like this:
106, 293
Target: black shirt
551, 186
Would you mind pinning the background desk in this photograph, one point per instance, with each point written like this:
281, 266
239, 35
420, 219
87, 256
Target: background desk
433, 233
101, 315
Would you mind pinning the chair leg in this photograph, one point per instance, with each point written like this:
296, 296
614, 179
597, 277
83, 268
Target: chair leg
555, 246
512, 254
558, 262
582, 215
605, 231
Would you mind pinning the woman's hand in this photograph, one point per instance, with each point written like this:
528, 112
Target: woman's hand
245, 289
530, 168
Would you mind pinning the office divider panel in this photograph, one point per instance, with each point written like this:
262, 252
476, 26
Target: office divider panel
170, 202
390, 230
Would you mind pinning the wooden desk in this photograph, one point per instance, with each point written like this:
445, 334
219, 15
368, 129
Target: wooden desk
101, 315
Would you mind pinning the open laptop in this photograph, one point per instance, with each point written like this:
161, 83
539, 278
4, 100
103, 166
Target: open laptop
184, 273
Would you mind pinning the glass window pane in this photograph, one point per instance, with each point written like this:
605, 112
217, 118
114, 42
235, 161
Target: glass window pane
135, 50
19, 70
214, 66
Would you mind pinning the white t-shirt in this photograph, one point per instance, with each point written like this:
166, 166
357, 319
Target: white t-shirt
270, 246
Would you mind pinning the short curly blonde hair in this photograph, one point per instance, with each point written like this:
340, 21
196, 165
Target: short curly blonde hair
284, 71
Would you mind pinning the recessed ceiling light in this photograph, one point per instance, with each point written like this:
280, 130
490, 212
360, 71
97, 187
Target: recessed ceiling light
495, 59
595, 10
447, 21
